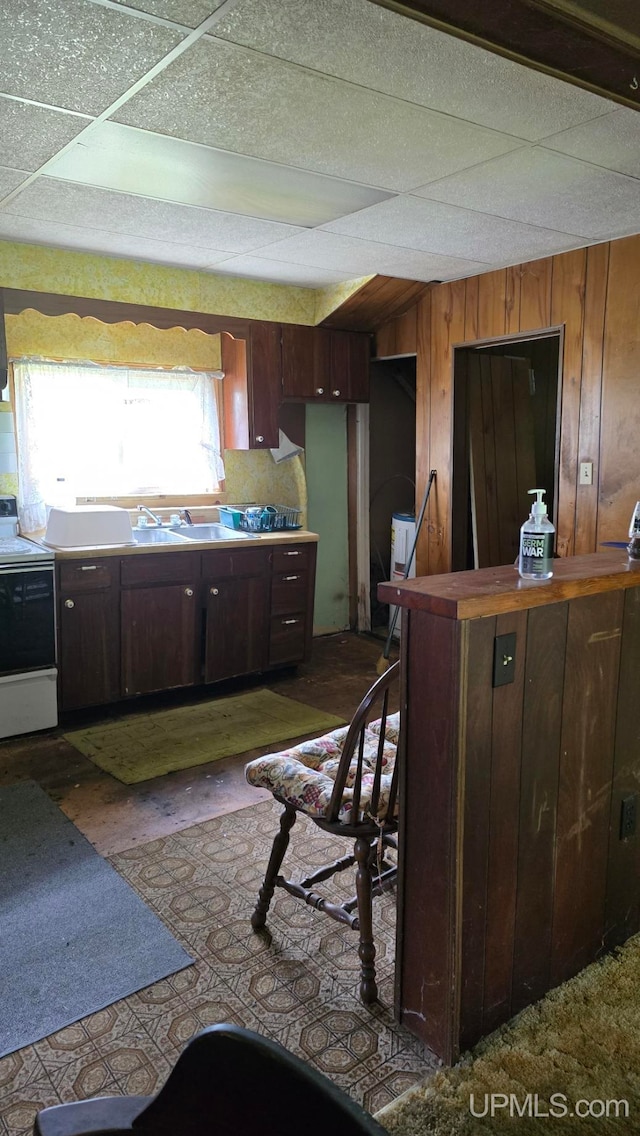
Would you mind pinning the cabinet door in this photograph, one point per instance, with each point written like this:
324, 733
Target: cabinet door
350, 355
306, 362
159, 637
236, 633
264, 385
88, 648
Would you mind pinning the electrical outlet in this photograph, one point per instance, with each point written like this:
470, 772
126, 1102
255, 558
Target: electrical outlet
504, 659
586, 473
628, 814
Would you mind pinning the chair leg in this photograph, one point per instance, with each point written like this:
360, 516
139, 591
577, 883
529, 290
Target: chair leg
280, 845
366, 949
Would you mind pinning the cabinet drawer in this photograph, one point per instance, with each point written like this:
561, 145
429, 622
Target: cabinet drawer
235, 562
88, 575
160, 568
287, 639
291, 557
289, 592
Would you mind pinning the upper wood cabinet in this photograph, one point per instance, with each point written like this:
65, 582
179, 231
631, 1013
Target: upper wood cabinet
323, 365
252, 387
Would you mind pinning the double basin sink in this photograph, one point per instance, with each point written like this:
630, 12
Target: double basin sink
179, 534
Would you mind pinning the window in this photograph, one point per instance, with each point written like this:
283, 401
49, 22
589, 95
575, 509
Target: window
113, 432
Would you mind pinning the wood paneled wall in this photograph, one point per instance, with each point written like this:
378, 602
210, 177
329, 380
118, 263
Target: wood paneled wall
514, 873
594, 295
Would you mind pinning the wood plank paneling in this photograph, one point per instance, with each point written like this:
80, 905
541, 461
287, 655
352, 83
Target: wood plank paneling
541, 723
428, 794
591, 394
492, 304
618, 489
506, 742
535, 294
477, 794
584, 800
567, 307
398, 337
622, 914
423, 419
512, 300
447, 328
579, 292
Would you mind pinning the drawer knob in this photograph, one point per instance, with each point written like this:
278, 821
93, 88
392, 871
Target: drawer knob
188, 591
336, 394
69, 603
319, 390
290, 577
213, 591
259, 437
287, 621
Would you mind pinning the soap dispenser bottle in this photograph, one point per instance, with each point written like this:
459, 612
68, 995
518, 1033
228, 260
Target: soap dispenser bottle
535, 561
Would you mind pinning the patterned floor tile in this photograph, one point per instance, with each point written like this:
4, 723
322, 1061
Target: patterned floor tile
296, 982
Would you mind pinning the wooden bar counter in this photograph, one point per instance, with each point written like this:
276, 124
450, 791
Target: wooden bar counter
520, 774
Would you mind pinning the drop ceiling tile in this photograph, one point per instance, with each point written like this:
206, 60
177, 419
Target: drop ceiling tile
102, 210
189, 13
32, 134
75, 54
369, 45
107, 244
9, 179
540, 187
431, 226
120, 157
286, 114
277, 272
365, 258
612, 141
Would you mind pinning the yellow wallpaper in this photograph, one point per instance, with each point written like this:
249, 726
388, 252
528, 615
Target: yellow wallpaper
73, 337
109, 278
328, 299
8, 481
252, 475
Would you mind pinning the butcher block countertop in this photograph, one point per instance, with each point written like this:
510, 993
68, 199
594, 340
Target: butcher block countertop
493, 591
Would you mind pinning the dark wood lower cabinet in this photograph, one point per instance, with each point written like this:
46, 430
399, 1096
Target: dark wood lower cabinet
141, 624
88, 633
159, 638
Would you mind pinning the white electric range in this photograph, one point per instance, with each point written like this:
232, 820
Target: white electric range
28, 675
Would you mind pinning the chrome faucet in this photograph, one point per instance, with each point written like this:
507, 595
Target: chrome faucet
154, 516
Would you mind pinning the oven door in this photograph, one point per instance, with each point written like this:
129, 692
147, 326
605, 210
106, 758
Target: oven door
27, 618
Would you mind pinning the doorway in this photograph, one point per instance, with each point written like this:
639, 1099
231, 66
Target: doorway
505, 442
392, 462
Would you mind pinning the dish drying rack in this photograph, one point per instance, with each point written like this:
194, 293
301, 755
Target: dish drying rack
260, 518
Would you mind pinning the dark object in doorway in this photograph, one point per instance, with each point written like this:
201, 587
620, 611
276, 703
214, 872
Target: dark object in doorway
228, 1079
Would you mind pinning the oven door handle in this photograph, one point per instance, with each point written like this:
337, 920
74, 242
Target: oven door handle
20, 569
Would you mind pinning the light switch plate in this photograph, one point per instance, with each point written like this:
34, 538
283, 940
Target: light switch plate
586, 473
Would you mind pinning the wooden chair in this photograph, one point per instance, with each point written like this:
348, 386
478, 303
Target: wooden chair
346, 783
228, 1081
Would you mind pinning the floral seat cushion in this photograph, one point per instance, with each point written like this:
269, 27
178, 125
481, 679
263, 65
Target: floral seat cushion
304, 775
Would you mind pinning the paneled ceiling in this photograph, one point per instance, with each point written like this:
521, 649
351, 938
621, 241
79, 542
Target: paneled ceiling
302, 142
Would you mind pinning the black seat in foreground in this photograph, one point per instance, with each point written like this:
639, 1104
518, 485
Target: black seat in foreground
229, 1081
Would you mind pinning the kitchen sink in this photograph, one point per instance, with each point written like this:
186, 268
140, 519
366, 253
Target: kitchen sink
156, 536
209, 532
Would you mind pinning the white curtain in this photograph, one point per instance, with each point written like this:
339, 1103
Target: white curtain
112, 432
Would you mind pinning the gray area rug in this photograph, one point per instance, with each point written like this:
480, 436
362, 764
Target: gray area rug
74, 936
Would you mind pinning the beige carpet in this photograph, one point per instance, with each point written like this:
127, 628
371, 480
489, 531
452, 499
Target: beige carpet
138, 746
581, 1042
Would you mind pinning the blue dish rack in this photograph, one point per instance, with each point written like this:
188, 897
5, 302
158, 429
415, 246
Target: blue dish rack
260, 518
